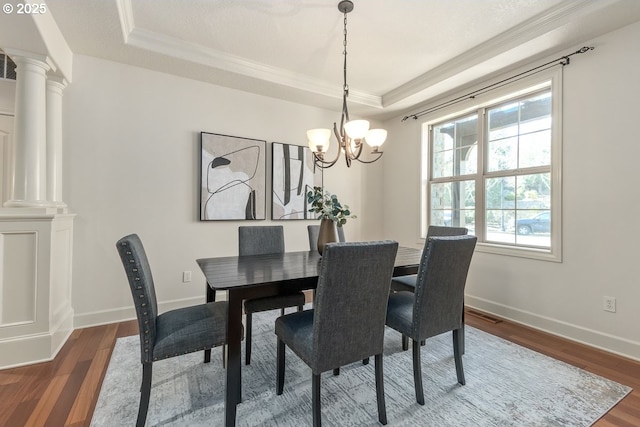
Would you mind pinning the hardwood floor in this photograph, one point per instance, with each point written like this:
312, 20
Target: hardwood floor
64, 392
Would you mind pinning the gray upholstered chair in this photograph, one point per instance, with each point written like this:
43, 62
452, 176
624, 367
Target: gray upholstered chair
314, 231
261, 240
408, 283
436, 306
169, 334
347, 322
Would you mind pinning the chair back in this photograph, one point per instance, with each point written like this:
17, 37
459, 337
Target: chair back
442, 275
351, 302
260, 240
439, 230
136, 266
314, 231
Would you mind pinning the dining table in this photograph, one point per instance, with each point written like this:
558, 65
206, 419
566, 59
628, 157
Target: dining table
256, 276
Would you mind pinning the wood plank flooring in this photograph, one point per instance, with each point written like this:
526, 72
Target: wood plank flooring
64, 392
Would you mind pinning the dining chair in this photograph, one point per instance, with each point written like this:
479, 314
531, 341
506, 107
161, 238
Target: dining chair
170, 334
437, 304
314, 231
347, 322
263, 240
408, 282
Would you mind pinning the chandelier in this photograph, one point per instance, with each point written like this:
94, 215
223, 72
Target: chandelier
352, 133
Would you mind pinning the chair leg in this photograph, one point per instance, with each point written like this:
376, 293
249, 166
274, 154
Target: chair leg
224, 356
405, 343
315, 392
462, 344
417, 372
336, 371
365, 361
145, 393
280, 367
458, 346
382, 408
282, 311
300, 307
247, 353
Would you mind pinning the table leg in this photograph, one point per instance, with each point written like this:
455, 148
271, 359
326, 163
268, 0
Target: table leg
211, 297
233, 392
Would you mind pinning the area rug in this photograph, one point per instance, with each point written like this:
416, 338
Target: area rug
507, 385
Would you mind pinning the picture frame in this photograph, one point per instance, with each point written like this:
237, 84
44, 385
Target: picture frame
293, 174
232, 178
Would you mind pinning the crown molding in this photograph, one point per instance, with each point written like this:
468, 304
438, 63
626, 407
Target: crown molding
191, 52
528, 30
125, 14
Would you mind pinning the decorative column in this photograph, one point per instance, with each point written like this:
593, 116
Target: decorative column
30, 131
55, 85
36, 238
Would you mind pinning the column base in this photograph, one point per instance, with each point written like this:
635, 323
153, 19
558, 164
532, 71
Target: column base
30, 212
62, 206
29, 204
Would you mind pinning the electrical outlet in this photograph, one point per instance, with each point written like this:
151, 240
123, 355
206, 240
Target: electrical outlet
186, 276
609, 304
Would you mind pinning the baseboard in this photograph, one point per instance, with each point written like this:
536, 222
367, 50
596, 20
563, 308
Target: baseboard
607, 342
104, 317
36, 348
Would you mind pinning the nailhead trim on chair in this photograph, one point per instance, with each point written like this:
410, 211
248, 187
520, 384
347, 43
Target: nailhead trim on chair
146, 319
145, 314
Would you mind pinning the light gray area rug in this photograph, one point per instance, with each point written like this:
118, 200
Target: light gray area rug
507, 385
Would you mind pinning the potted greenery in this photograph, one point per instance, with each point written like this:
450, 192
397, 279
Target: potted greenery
330, 212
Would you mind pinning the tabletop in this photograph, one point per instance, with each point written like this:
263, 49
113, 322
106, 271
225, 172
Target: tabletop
226, 273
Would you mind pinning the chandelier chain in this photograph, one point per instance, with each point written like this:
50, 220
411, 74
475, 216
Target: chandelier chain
344, 52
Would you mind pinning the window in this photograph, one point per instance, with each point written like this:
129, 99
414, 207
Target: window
7, 67
495, 169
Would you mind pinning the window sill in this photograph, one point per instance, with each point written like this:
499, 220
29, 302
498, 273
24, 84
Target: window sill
521, 252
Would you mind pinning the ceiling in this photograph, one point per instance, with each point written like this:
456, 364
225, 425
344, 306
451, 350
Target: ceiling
401, 53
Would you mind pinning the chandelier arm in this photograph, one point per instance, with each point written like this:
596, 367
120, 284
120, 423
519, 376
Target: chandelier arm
354, 154
339, 135
379, 154
321, 163
357, 156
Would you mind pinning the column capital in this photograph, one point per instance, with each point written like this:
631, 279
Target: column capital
54, 79
22, 56
56, 84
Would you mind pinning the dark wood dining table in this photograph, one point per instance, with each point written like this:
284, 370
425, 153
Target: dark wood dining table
248, 277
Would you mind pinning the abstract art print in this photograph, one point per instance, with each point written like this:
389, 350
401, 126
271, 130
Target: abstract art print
232, 178
293, 175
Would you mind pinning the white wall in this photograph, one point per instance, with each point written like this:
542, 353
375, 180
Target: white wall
601, 207
131, 165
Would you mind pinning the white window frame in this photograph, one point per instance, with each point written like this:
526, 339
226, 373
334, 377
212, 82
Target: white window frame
551, 79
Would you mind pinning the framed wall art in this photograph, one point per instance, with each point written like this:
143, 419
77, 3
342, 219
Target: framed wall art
232, 182
293, 175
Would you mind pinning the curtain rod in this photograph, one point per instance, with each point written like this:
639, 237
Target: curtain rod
563, 60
